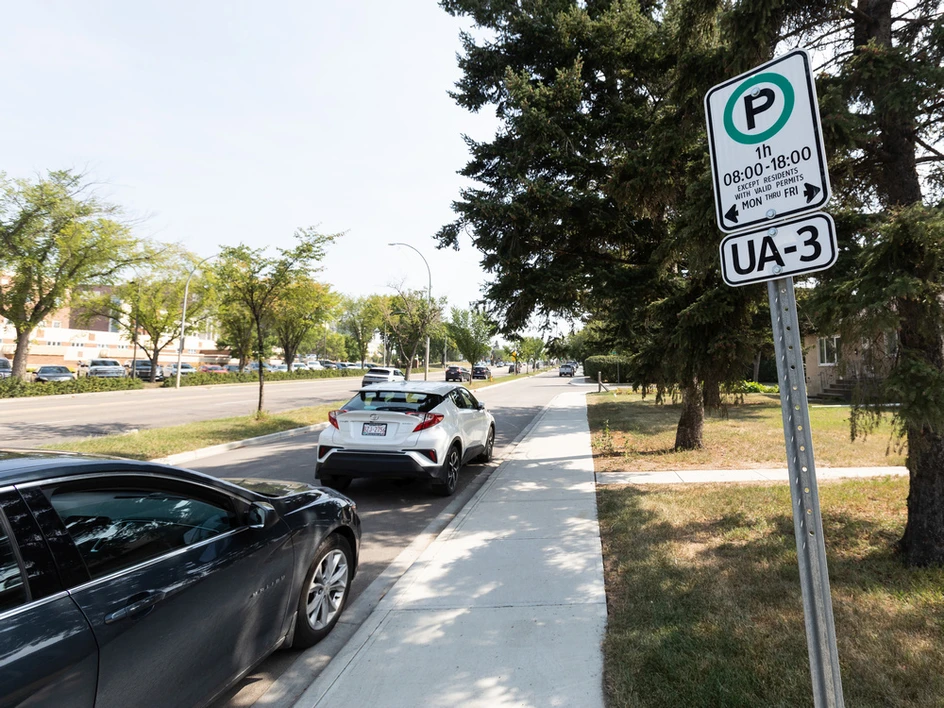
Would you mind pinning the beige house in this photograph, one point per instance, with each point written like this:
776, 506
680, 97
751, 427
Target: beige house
834, 368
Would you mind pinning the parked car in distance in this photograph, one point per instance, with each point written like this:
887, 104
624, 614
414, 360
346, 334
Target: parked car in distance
210, 369
151, 585
103, 368
458, 373
185, 369
232, 368
141, 369
299, 366
6, 368
380, 374
50, 372
315, 366
327, 364
481, 372
565, 370
408, 429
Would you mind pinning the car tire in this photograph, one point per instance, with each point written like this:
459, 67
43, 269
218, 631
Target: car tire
324, 591
486, 455
445, 485
335, 482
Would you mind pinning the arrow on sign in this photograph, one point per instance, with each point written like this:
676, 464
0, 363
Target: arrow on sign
809, 191
732, 214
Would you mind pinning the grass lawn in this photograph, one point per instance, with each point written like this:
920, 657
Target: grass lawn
705, 607
161, 442
631, 434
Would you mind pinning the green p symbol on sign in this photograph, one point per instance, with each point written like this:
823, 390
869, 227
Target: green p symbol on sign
756, 102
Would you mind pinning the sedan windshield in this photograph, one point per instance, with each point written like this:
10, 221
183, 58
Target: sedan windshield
404, 401
53, 370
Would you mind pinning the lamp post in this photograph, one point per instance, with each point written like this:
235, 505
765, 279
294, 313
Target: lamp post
430, 296
134, 329
183, 316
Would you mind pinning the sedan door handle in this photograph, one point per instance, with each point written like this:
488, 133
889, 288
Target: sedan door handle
134, 608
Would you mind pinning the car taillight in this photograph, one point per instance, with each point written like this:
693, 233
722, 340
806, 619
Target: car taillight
333, 417
427, 420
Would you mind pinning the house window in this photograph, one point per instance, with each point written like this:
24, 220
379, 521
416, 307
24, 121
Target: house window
829, 350
56, 324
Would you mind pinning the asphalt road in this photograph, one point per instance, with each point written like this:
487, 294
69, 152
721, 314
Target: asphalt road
393, 515
46, 420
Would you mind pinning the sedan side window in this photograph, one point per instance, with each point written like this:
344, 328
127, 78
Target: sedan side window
469, 399
121, 527
12, 587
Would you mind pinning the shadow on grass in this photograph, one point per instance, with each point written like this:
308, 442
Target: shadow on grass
705, 608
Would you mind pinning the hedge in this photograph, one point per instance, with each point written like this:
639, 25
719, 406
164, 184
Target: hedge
199, 379
17, 388
614, 368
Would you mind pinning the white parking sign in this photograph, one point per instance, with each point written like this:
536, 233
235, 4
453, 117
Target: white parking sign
766, 144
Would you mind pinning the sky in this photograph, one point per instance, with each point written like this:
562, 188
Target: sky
219, 123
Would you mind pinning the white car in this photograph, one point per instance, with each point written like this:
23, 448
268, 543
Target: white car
315, 366
406, 429
380, 374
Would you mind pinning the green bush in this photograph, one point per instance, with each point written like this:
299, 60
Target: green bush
613, 368
753, 387
16, 388
199, 379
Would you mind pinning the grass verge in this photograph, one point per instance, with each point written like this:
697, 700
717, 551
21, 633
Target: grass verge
161, 442
705, 607
632, 434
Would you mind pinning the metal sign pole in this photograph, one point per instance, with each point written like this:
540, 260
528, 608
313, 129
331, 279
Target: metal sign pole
807, 521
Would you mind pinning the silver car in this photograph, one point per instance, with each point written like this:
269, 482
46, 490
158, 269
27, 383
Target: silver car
380, 374
105, 369
407, 429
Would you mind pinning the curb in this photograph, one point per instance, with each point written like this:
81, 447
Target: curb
191, 455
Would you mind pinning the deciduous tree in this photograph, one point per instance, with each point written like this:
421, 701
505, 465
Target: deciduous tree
55, 235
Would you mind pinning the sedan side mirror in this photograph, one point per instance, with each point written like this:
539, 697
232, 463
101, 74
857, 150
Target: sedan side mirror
481, 406
260, 515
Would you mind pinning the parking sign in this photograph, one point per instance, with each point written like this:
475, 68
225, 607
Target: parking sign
766, 144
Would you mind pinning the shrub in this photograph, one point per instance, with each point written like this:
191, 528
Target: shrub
615, 369
199, 379
753, 387
16, 388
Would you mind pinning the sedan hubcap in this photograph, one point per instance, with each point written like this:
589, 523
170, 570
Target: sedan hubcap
328, 586
453, 470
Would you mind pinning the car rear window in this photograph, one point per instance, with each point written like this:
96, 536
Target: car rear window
405, 401
5, 364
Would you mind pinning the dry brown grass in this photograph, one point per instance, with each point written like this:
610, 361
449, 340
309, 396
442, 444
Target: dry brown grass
631, 434
704, 597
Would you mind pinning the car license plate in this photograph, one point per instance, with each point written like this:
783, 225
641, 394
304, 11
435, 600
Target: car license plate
374, 429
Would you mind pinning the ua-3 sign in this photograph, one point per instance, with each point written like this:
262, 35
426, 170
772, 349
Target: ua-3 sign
766, 145
803, 245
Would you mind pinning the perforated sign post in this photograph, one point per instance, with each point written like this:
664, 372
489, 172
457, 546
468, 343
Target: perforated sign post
768, 166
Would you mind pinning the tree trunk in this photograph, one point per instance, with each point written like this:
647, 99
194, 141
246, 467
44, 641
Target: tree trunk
261, 386
921, 339
22, 354
712, 394
923, 541
757, 367
688, 435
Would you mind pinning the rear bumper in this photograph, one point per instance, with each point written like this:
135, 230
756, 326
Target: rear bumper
360, 463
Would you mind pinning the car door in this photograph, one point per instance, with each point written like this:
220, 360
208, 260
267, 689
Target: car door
48, 655
466, 419
478, 420
181, 594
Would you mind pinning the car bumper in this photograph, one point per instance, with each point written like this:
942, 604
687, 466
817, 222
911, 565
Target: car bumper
368, 463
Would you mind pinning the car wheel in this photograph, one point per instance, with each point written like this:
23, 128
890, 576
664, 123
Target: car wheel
486, 455
324, 592
335, 482
445, 486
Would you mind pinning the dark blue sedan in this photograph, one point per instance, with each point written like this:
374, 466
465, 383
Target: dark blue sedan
135, 584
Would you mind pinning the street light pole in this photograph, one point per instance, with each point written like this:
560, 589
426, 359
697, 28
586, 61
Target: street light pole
430, 296
183, 316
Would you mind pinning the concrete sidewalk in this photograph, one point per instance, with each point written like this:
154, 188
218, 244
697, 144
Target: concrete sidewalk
507, 606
